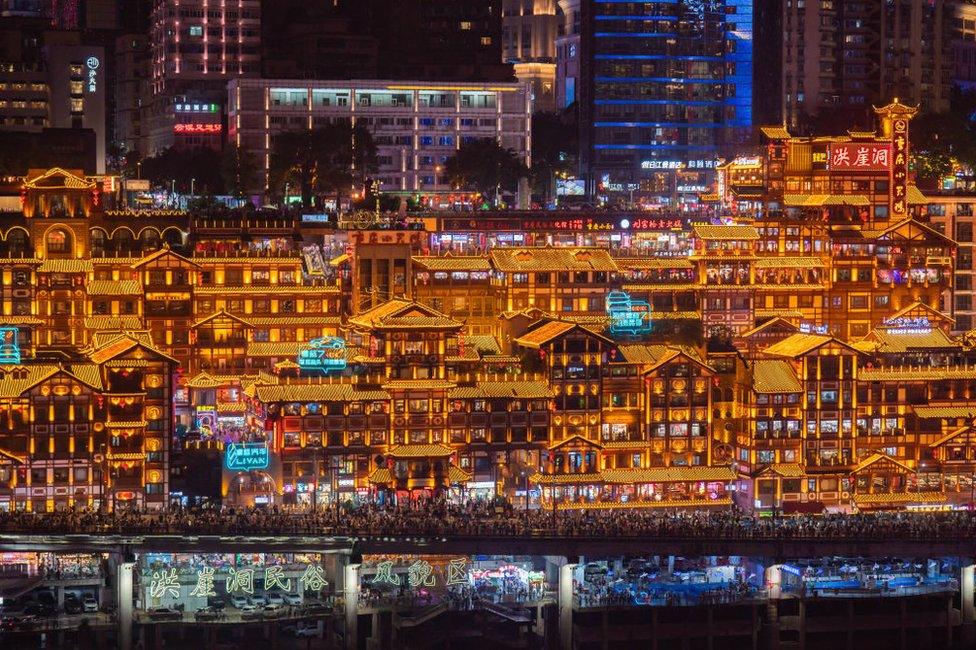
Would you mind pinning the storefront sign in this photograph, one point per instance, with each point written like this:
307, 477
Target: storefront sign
679, 164
93, 64
198, 129
809, 328
421, 574
628, 316
166, 582
899, 173
245, 456
325, 354
9, 348
860, 157
197, 108
908, 325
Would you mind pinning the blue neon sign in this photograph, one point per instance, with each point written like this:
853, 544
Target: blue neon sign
628, 316
245, 456
9, 348
325, 354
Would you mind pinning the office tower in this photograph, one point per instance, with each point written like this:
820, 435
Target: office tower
529, 29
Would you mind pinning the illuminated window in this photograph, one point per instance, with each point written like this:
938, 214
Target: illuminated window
196, 30
58, 242
466, 25
486, 40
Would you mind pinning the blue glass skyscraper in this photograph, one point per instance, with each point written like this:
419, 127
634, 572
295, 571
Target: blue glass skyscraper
666, 92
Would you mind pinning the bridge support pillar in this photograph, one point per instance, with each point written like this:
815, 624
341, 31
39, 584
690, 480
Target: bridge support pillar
967, 586
774, 580
123, 597
350, 592
564, 597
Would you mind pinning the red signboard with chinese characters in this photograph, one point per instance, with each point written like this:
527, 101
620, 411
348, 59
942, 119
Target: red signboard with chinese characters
196, 129
859, 157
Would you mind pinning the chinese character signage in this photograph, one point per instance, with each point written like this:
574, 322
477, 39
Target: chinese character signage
899, 172
325, 354
859, 157
9, 349
197, 129
245, 456
628, 316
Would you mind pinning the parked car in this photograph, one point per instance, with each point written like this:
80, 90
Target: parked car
248, 609
275, 598
90, 604
258, 600
40, 609
238, 601
292, 599
72, 605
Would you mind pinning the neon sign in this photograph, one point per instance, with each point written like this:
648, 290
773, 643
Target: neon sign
198, 128
628, 316
809, 328
92, 64
904, 325
9, 349
325, 354
859, 157
245, 456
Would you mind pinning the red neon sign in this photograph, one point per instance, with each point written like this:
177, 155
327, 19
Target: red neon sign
859, 156
208, 129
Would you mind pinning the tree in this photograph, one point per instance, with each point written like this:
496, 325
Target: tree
485, 166
555, 147
196, 170
939, 139
328, 159
240, 170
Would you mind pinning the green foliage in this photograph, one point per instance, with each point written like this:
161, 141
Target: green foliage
196, 168
325, 160
240, 171
484, 166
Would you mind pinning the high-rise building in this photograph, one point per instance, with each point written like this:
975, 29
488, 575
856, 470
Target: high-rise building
529, 29
665, 91
51, 80
567, 53
132, 91
197, 46
841, 58
964, 45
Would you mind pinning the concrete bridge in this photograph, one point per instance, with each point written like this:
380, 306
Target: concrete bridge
530, 544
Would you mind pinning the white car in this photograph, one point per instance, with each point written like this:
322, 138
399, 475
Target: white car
248, 609
258, 600
90, 604
238, 601
292, 599
274, 598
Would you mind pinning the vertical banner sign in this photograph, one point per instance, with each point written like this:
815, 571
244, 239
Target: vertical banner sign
899, 170
894, 126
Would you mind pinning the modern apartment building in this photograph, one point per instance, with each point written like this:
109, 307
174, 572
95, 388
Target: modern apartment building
417, 125
665, 89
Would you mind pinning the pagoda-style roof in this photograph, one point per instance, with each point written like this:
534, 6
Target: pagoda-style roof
726, 233
775, 132
421, 451
400, 314
542, 259
316, 393
57, 178
71, 265
126, 343
801, 344
450, 262
896, 108
893, 340
919, 309
221, 315
882, 461
775, 323
114, 288
774, 376
549, 330
503, 389
791, 262
163, 253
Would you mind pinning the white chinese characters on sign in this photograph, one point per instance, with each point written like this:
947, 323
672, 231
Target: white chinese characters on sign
240, 580
164, 583
853, 156
205, 583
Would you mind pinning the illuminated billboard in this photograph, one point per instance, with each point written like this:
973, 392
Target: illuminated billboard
245, 456
859, 157
9, 348
325, 354
628, 316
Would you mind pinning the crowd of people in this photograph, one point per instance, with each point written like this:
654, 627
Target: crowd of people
435, 518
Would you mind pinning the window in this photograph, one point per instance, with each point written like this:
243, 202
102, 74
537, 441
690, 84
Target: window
58, 242
196, 30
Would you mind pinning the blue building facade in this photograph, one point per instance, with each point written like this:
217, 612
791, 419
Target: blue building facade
666, 93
